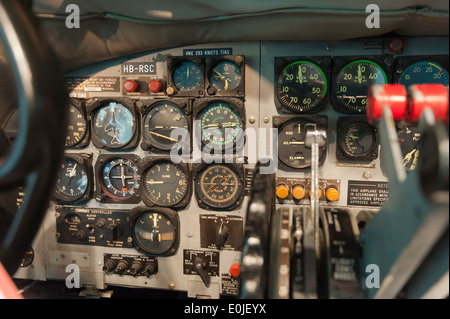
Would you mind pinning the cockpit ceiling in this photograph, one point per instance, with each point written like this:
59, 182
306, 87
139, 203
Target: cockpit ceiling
113, 28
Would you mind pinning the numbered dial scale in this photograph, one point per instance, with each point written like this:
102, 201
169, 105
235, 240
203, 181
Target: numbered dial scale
352, 84
118, 178
77, 127
219, 186
74, 179
424, 72
165, 184
161, 120
221, 124
155, 231
301, 87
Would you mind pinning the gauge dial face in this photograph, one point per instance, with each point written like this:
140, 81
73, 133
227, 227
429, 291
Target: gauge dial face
72, 181
292, 151
409, 140
358, 139
120, 178
353, 83
114, 125
301, 86
159, 123
218, 186
225, 76
221, 125
187, 76
76, 128
165, 183
424, 72
155, 233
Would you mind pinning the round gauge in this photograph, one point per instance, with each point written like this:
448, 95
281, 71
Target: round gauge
114, 125
187, 76
358, 139
225, 76
424, 72
409, 140
218, 186
165, 183
76, 128
292, 151
120, 179
353, 83
72, 181
156, 233
301, 86
159, 123
221, 125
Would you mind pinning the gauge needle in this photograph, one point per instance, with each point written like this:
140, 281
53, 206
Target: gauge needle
212, 125
122, 175
72, 172
163, 136
300, 74
228, 124
353, 137
359, 74
151, 182
221, 76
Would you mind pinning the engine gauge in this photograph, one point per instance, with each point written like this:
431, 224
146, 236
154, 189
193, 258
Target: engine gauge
155, 231
292, 151
353, 82
114, 125
73, 181
187, 76
359, 139
225, 76
424, 72
301, 86
218, 186
165, 183
76, 128
159, 123
119, 178
221, 125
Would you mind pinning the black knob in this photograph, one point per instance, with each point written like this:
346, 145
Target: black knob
121, 267
150, 269
222, 235
135, 268
200, 269
81, 235
113, 231
109, 265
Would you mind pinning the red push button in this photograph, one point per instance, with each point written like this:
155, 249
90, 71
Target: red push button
422, 96
235, 270
155, 86
392, 96
130, 86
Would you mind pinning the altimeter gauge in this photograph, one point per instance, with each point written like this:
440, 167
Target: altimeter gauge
165, 183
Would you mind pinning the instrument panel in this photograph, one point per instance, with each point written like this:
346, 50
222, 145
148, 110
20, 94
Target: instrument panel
161, 146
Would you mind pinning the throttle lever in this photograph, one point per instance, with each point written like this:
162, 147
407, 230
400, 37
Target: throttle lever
316, 137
